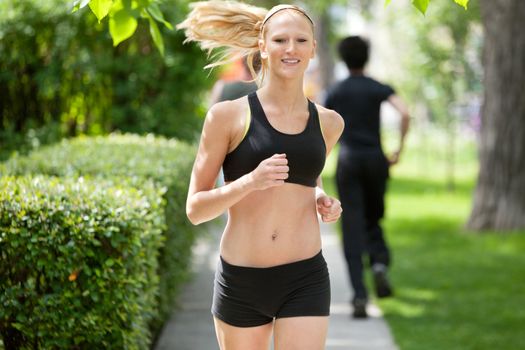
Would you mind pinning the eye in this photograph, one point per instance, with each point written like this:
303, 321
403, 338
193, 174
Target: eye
279, 40
302, 40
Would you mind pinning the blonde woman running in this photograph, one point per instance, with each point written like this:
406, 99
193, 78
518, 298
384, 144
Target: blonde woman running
272, 145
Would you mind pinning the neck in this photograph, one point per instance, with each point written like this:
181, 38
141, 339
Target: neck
287, 94
357, 71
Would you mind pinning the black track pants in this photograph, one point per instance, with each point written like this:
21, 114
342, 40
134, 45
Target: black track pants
361, 181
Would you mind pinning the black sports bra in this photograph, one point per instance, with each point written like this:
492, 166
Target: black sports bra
305, 151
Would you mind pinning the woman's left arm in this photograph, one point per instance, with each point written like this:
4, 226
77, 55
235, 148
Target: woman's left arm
332, 125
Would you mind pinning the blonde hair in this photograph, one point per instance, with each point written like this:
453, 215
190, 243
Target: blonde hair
234, 26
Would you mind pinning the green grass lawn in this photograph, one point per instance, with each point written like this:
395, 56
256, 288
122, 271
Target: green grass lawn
454, 289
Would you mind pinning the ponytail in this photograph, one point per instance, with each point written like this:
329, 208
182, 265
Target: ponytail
234, 26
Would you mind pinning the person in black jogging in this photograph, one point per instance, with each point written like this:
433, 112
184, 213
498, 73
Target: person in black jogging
363, 169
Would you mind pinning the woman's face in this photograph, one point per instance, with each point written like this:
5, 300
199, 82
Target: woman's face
288, 44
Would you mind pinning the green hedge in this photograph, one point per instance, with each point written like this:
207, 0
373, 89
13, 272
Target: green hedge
78, 263
166, 162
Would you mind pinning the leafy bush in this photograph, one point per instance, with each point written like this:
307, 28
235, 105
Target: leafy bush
78, 263
22, 143
138, 159
58, 66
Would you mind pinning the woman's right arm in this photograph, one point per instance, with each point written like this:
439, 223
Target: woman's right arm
205, 202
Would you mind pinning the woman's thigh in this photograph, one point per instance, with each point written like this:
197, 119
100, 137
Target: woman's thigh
243, 338
300, 333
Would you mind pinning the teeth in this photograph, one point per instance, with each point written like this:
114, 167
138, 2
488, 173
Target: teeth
290, 61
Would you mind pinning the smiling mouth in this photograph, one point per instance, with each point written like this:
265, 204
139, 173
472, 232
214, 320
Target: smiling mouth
291, 61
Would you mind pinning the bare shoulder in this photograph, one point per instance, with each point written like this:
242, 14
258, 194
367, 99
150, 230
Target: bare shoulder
228, 118
224, 113
332, 123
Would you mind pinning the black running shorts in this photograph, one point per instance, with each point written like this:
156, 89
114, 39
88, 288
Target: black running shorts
253, 296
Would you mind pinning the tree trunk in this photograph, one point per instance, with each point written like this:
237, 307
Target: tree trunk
499, 198
324, 52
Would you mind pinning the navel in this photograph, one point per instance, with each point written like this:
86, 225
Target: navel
274, 235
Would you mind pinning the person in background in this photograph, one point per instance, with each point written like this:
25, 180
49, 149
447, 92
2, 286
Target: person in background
225, 90
271, 277
363, 170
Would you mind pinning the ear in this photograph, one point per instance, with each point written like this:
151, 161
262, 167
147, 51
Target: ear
314, 48
262, 48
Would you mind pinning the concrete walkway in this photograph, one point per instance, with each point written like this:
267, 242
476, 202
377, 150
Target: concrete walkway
191, 325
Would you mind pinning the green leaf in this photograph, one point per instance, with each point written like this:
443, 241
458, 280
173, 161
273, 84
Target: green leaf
100, 8
387, 2
79, 339
122, 25
154, 10
421, 5
18, 326
156, 35
79, 4
463, 3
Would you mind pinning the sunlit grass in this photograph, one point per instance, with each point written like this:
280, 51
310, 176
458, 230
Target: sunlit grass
454, 289
476, 280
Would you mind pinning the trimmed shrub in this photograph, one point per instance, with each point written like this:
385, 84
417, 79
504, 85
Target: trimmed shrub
166, 162
78, 263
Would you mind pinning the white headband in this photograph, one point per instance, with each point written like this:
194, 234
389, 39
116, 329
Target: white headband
278, 8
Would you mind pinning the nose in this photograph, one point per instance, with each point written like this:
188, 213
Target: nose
290, 47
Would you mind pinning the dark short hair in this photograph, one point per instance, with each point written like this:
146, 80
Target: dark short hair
353, 50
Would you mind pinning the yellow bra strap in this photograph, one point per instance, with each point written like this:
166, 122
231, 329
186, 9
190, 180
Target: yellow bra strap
247, 126
321, 125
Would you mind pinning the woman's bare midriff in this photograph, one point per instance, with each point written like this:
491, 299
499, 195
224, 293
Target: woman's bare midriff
272, 227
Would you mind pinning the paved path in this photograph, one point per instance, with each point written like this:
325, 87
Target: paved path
191, 325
